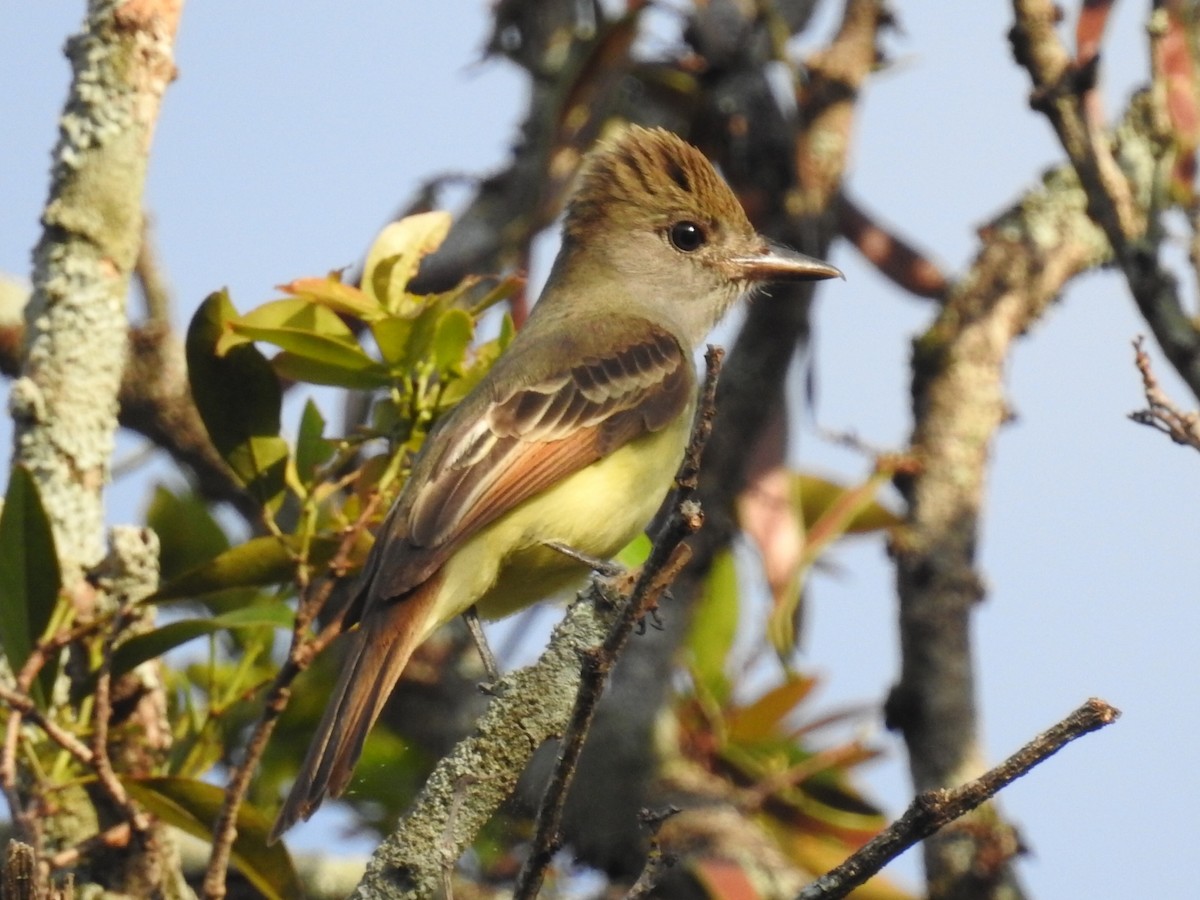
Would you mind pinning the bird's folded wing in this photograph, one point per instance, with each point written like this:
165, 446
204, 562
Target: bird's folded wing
525, 442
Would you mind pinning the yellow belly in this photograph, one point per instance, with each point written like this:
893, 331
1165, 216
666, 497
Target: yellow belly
597, 511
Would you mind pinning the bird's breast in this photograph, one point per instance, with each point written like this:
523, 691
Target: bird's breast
597, 511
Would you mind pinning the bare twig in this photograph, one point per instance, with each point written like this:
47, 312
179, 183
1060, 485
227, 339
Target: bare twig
667, 558
932, 810
657, 860
118, 835
1161, 413
101, 715
23, 704
148, 274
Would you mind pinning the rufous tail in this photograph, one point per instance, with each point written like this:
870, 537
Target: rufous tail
378, 653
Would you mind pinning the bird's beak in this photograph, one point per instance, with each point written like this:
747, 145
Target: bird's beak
776, 263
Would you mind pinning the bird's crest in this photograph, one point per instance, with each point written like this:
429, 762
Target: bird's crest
650, 171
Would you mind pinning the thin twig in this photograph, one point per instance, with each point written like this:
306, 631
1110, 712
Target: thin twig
667, 558
657, 859
1161, 413
22, 706
156, 293
304, 649
932, 810
101, 715
117, 836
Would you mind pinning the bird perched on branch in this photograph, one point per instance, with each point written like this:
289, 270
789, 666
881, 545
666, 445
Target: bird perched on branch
570, 441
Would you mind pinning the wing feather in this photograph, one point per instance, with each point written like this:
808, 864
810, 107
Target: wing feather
524, 442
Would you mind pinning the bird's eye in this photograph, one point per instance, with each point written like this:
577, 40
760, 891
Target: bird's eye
687, 236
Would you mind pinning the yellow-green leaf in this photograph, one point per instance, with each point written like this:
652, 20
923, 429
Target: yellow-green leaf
451, 338
305, 329
259, 562
714, 628
315, 371
312, 450
338, 296
193, 806
818, 495
397, 253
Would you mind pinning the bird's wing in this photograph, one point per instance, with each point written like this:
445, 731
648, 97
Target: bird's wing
524, 442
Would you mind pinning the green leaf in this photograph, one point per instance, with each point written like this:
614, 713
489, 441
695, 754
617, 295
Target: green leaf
397, 253
485, 357
418, 336
714, 627
313, 371
391, 337
295, 314
188, 534
304, 329
635, 552
312, 450
193, 806
143, 647
238, 397
259, 562
29, 575
262, 463
818, 496
505, 289
451, 339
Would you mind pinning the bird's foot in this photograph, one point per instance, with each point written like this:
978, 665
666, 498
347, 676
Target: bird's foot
471, 617
604, 567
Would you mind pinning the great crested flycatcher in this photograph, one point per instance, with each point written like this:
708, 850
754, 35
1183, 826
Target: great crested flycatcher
572, 439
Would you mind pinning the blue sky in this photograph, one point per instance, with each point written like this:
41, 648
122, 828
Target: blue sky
294, 130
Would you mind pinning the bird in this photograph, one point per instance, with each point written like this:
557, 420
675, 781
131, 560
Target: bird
572, 439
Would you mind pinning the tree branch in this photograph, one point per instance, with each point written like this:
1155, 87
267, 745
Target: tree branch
1121, 178
1161, 413
933, 810
1028, 254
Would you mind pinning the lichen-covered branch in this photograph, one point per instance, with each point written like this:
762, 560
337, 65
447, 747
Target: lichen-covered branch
1122, 178
64, 406
65, 402
155, 400
1028, 255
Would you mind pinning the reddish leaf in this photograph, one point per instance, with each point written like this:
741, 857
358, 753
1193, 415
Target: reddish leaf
1089, 31
764, 717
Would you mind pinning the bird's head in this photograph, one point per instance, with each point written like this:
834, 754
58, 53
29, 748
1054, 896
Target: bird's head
651, 209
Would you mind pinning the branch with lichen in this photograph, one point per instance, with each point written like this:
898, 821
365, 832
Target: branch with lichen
64, 402
1123, 177
1029, 253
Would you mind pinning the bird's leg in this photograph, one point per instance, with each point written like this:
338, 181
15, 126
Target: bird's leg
605, 567
471, 617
